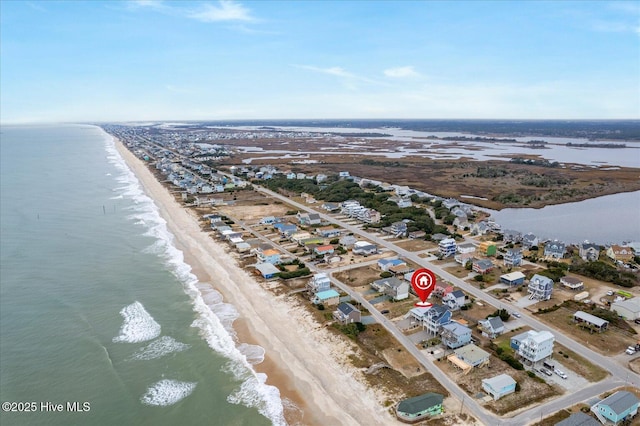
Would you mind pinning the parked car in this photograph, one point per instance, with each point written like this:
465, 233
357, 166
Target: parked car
630, 350
545, 371
610, 293
516, 314
637, 320
384, 311
560, 373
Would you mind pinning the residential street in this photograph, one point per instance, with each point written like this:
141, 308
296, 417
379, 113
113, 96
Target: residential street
619, 375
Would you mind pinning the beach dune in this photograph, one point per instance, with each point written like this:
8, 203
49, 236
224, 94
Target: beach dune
307, 364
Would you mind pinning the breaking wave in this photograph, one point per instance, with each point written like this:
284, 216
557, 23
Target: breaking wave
167, 392
138, 325
214, 317
165, 345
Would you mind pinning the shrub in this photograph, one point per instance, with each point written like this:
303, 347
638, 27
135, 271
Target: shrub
386, 274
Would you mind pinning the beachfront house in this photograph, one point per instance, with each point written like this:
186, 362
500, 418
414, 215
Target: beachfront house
328, 297
540, 287
414, 409
346, 313
499, 386
267, 270
318, 283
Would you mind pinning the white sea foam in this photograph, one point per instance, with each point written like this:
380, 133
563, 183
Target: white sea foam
138, 325
167, 392
216, 330
165, 345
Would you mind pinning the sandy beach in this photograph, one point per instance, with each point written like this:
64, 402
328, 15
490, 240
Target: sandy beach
305, 362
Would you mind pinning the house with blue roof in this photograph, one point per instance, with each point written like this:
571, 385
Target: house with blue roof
327, 297
616, 408
385, 264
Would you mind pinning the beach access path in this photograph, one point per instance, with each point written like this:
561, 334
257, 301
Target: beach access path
298, 360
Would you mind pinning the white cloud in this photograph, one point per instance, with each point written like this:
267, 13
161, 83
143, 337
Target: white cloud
348, 78
615, 27
226, 10
401, 72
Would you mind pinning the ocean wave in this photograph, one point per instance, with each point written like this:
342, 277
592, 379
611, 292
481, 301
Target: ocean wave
165, 345
138, 325
167, 392
216, 330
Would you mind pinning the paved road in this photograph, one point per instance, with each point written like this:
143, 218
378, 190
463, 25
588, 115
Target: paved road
620, 375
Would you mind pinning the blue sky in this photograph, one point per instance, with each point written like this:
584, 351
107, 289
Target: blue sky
161, 60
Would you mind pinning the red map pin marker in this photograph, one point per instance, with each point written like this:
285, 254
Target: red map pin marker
423, 282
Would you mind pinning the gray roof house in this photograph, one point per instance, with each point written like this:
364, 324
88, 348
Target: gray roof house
454, 300
511, 236
555, 249
540, 287
393, 287
347, 313
491, 327
616, 408
589, 251
529, 240
578, 419
591, 320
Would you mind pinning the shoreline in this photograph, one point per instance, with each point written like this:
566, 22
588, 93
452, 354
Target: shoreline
293, 348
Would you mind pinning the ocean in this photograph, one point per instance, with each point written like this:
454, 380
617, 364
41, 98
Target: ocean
101, 321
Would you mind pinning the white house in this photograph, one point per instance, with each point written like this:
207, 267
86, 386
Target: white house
534, 346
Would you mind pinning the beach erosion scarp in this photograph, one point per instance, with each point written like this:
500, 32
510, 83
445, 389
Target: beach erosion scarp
302, 362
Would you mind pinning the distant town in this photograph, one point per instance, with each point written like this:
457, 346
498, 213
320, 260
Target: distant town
521, 330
